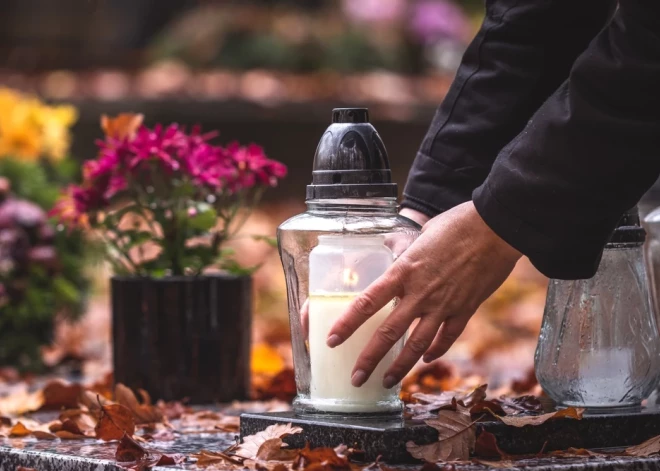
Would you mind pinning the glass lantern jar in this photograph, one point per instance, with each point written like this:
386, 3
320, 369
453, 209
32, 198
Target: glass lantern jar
348, 237
599, 345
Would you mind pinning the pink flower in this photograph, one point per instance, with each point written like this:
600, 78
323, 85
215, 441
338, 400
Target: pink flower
165, 146
74, 205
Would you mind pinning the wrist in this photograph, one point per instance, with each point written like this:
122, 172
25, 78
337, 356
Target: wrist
414, 215
499, 245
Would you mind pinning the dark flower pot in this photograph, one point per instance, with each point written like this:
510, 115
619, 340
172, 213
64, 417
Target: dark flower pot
183, 337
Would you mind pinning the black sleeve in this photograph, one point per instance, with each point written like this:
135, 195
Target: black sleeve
522, 53
589, 153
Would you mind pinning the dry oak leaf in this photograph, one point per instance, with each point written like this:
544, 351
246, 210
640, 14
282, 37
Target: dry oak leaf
167, 460
568, 413
251, 444
23, 468
648, 448
210, 458
21, 401
486, 446
427, 403
82, 420
456, 437
271, 450
576, 452
115, 422
129, 450
66, 435
144, 413
41, 435
61, 395
19, 430
320, 459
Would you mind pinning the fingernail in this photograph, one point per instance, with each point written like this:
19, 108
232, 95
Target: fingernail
333, 341
358, 378
427, 359
389, 381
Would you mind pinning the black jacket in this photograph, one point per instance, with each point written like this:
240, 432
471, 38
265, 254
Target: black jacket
551, 127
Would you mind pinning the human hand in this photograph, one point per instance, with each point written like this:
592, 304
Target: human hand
443, 277
419, 218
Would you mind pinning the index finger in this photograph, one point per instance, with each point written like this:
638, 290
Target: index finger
377, 295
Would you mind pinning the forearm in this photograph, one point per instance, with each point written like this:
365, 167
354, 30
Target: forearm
556, 192
522, 53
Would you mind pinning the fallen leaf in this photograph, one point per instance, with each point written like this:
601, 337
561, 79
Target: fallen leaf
129, 450
252, 443
490, 407
318, 459
83, 420
167, 460
428, 403
229, 424
456, 437
648, 448
55, 427
5, 421
271, 450
486, 446
19, 430
519, 405
504, 464
40, 435
282, 386
23, 468
21, 401
209, 458
568, 413
575, 452
61, 395
66, 435
115, 422
161, 436
172, 410
144, 413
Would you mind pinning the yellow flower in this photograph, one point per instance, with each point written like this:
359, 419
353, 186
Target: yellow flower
29, 129
55, 123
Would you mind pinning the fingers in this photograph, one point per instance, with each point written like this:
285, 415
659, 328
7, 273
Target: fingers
365, 305
449, 331
418, 342
381, 342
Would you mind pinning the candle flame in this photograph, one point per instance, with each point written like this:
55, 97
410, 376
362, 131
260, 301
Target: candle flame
350, 278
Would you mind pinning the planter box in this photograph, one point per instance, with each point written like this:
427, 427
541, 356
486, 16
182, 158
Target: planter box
183, 337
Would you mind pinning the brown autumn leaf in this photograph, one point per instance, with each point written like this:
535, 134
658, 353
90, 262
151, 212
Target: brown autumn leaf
66, 435
115, 422
504, 464
19, 430
41, 435
576, 452
124, 125
648, 448
568, 413
519, 405
21, 401
486, 446
487, 407
456, 437
207, 458
172, 410
23, 468
5, 422
144, 412
82, 420
61, 395
271, 450
429, 403
168, 460
251, 444
129, 450
318, 459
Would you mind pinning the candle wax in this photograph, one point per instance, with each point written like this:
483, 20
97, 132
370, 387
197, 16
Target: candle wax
331, 389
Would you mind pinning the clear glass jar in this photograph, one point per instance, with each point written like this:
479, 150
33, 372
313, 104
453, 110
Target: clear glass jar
599, 341
330, 254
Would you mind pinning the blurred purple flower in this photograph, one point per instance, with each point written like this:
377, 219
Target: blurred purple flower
432, 20
374, 10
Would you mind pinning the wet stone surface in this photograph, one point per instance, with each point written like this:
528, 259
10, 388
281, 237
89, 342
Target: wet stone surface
385, 438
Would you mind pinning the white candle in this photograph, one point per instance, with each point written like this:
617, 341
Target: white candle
331, 388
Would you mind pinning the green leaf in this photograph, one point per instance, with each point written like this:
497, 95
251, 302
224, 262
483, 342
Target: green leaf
205, 218
65, 290
272, 241
137, 238
233, 267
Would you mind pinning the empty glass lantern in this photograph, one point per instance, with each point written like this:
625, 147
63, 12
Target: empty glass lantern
348, 237
599, 340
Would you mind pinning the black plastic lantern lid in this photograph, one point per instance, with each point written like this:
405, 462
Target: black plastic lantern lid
628, 230
351, 160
